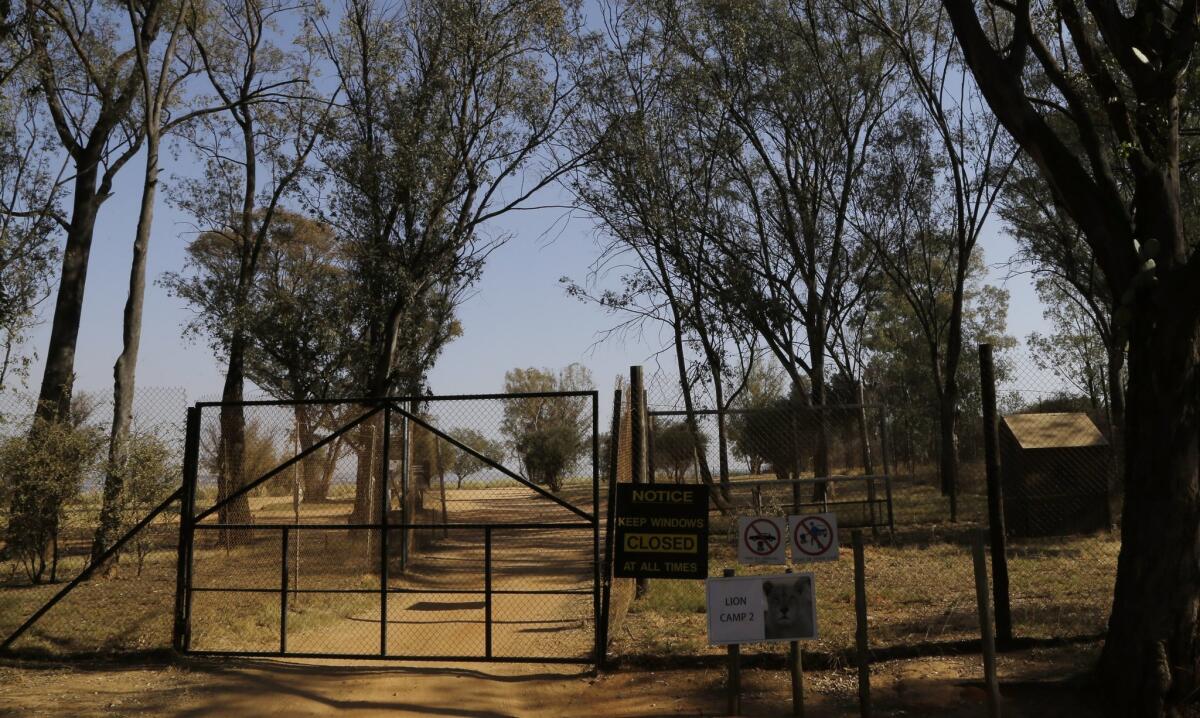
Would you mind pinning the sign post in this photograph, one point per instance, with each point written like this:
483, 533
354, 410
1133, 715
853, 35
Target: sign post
661, 531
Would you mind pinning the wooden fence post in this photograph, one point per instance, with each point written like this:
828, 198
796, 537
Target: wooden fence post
733, 684
995, 494
985, 626
860, 633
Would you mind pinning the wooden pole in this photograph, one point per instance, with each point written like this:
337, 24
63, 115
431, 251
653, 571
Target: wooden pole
860, 633
733, 685
985, 626
796, 668
995, 494
637, 425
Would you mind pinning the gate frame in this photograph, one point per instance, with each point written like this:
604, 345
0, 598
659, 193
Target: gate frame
189, 520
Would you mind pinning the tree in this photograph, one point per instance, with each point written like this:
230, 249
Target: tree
899, 364
149, 474
261, 130
1051, 246
297, 346
43, 469
548, 434
89, 84
651, 184
27, 241
1113, 77
676, 450
451, 113
805, 90
939, 172
765, 385
1072, 351
464, 464
162, 75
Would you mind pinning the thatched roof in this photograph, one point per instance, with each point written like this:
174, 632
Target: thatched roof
1054, 431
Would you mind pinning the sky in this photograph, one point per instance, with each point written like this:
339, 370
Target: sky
518, 316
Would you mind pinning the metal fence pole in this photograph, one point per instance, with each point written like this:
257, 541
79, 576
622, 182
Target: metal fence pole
405, 518
487, 590
283, 589
384, 505
995, 494
596, 614
637, 415
191, 452
614, 453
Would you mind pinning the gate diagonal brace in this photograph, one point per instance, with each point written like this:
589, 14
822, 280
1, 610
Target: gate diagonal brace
495, 465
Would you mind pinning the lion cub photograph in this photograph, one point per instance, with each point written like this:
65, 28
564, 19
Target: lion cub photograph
789, 608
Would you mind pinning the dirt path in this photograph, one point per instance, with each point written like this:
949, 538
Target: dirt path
541, 588
933, 687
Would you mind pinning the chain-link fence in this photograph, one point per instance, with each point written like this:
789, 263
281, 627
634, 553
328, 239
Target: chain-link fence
782, 456
444, 527
127, 605
1059, 453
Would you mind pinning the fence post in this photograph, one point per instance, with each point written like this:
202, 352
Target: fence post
995, 494
985, 626
487, 590
405, 517
384, 505
191, 453
796, 669
860, 633
637, 415
614, 453
596, 518
733, 686
283, 589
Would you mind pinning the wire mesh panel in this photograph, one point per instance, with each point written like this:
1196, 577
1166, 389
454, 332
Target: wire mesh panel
433, 527
1059, 453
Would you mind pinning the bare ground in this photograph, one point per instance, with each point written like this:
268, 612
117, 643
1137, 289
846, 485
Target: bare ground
936, 687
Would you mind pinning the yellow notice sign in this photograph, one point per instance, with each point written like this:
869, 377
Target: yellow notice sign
661, 543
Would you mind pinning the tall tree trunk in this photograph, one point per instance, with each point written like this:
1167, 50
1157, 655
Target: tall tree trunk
125, 369
230, 477
29, 501
948, 393
1151, 659
821, 490
1116, 400
54, 397
312, 467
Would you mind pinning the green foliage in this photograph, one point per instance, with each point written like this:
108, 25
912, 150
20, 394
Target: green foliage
675, 449
1073, 350
904, 371
42, 470
766, 384
260, 455
548, 434
463, 464
150, 473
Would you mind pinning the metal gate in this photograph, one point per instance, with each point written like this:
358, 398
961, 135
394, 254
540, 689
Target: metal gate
451, 528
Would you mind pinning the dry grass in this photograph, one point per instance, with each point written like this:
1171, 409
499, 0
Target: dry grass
919, 587
919, 584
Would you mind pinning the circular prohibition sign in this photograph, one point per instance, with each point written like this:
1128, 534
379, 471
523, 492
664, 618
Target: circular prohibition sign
762, 534
813, 535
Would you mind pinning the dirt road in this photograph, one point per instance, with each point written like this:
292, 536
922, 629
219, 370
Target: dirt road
948, 687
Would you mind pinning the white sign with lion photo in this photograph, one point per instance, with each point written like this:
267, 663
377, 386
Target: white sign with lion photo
751, 609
